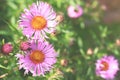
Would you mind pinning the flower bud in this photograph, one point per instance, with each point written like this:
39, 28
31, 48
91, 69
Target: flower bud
64, 62
6, 48
118, 42
89, 51
59, 18
24, 46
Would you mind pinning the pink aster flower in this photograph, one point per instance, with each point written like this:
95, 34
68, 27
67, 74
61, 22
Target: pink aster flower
39, 59
74, 12
38, 20
107, 67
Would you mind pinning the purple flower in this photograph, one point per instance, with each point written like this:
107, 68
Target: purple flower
107, 67
6, 48
74, 12
38, 20
39, 59
25, 46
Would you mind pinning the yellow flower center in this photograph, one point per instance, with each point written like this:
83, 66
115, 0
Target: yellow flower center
38, 22
37, 56
105, 66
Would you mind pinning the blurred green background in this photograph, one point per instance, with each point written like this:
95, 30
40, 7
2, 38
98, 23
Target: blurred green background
79, 42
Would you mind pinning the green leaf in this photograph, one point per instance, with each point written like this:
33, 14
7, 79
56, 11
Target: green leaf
1, 66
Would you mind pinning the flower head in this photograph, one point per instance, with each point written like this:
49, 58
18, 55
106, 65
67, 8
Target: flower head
24, 46
107, 67
39, 59
7, 48
38, 20
74, 12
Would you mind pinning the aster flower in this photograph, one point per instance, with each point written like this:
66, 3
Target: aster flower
6, 48
74, 12
107, 67
39, 59
38, 20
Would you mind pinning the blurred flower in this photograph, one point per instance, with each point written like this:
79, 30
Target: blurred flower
107, 67
64, 62
74, 12
38, 20
59, 18
89, 51
39, 59
104, 7
25, 46
118, 42
7, 48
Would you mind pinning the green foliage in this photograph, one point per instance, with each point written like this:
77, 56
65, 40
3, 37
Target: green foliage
72, 40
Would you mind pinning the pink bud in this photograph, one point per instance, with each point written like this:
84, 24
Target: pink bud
7, 48
25, 46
